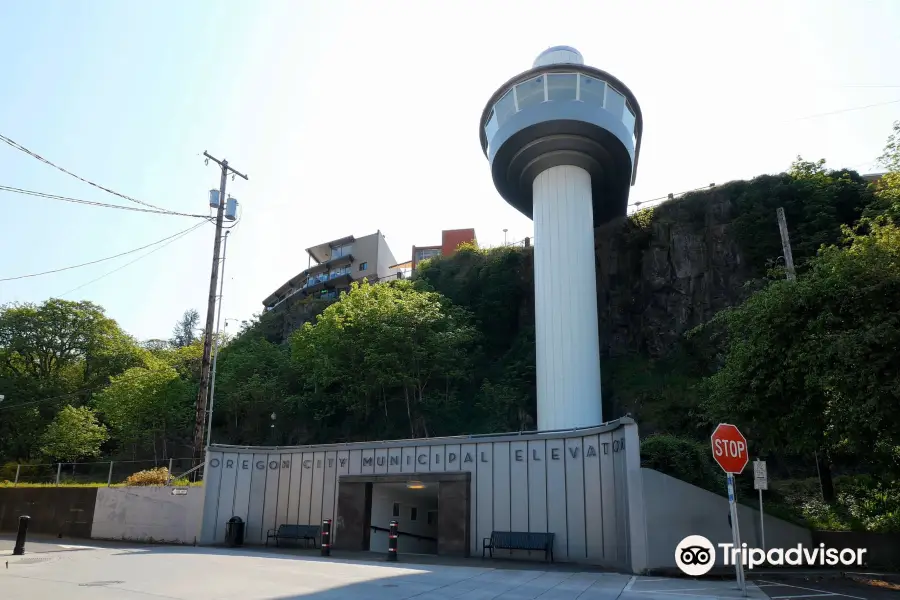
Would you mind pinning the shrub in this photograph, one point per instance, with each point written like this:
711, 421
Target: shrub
682, 458
158, 476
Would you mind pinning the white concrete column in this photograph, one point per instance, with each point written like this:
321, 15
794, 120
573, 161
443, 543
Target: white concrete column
565, 289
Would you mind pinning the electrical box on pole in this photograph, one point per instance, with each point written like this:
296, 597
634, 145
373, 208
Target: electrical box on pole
214, 198
231, 209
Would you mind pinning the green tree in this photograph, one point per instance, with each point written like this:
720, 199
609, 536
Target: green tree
148, 407
386, 346
51, 354
185, 331
810, 366
73, 434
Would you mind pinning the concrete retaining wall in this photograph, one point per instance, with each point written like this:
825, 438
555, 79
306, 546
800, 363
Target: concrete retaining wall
53, 511
148, 514
675, 510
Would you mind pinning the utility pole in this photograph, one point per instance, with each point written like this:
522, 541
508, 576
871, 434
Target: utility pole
786, 245
203, 393
215, 354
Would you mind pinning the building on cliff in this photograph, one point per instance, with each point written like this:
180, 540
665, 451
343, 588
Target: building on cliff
451, 239
334, 265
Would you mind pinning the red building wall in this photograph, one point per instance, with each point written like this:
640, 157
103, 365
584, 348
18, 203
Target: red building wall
452, 238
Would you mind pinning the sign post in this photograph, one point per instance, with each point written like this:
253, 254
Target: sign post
761, 482
729, 448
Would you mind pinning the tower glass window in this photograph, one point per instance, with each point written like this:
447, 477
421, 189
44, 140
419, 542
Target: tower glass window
628, 118
530, 93
491, 128
561, 86
615, 102
504, 109
592, 90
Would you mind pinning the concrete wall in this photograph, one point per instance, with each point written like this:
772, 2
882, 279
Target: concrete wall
385, 258
675, 510
576, 484
365, 250
148, 514
383, 498
53, 511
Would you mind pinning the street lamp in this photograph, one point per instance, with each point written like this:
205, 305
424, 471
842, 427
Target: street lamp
273, 426
504, 236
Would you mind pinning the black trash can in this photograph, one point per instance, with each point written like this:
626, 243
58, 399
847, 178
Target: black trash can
234, 532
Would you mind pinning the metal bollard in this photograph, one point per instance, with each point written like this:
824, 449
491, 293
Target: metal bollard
326, 537
19, 549
392, 541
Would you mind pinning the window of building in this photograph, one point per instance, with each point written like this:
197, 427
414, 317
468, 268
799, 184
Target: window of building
363, 266
396, 512
615, 102
432, 517
591, 90
561, 86
629, 119
530, 93
505, 108
413, 513
341, 251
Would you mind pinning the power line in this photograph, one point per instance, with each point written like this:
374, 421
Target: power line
177, 237
69, 395
94, 262
843, 110
22, 148
15, 190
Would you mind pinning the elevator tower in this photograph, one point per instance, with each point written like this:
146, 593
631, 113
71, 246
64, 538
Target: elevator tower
563, 141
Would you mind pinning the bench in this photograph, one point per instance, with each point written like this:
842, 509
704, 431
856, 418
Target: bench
294, 532
519, 540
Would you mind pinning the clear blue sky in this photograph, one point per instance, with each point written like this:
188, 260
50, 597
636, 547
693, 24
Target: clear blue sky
354, 116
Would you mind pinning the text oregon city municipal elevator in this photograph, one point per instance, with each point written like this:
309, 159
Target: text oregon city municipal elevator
562, 139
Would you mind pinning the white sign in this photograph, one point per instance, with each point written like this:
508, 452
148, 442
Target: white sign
179, 492
760, 477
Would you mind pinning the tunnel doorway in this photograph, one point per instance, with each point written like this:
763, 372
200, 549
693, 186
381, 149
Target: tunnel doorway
414, 505
432, 509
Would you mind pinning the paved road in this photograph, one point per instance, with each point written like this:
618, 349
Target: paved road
118, 571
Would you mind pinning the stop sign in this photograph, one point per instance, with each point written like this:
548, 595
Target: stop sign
729, 448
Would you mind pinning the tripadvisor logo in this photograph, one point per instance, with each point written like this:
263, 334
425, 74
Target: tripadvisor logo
695, 555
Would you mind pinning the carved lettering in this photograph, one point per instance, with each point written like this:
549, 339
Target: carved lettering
519, 456
307, 464
573, 450
319, 464
451, 457
437, 459
380, 461
260, 464
422, 459
245, 464
367, 461
554, 453
214, 463
273, 464
330, 462
395, 460
616, 446
468, 458
409, 459
483, 457
605, 447
591, 451
285, 464
534, 455
229, 464
343, 461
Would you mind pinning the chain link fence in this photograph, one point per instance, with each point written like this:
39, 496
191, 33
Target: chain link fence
112, 472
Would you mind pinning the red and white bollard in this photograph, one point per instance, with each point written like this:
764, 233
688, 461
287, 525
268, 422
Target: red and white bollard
393, 535
326, 537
